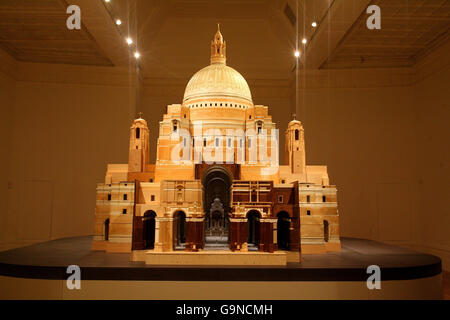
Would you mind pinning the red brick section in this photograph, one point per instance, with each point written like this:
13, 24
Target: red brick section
238, 234
194, 236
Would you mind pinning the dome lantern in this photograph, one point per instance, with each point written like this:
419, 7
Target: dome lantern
218, 48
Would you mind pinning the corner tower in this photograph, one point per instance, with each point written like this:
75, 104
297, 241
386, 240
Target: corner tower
139, 146
295, 147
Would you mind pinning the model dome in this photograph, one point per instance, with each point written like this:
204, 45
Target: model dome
217, 81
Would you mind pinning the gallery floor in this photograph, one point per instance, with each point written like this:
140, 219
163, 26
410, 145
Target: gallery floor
40, 272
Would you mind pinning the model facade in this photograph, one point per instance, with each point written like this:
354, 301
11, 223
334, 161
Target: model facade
216, 183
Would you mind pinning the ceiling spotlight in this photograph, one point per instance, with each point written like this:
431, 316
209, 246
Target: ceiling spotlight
297, 53
137, 55
314, 24
118, 22
304, 41
129, 41
107, 0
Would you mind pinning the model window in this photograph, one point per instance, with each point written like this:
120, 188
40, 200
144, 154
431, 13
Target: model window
308, 212
217, 142
283, 181
250, 117
240, 143
125, 197
229, 142
308, 198
153, 197
184, 142
175, 127
280, 199
296, 134
109, 197
204, 142
324, 199
151, 180
138, 133
124, 211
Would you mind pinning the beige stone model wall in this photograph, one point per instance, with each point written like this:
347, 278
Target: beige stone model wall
319, 219
114, 217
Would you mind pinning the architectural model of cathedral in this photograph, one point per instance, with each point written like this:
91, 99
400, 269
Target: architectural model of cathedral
216, 184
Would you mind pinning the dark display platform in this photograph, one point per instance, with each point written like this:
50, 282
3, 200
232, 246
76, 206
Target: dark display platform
49, 260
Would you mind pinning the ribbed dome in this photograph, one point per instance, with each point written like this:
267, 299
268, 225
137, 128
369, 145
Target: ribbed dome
217, 81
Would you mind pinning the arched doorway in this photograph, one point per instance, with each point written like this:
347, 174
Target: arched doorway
253, 232
283, 226
106, 229
326, 230
149, 224
179, 230
216, 182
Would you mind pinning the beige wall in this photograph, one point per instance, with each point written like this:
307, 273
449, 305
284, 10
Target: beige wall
432, 106
67, 124
7, 87
366, 137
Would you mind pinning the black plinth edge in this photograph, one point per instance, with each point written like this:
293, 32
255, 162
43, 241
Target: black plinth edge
50, 260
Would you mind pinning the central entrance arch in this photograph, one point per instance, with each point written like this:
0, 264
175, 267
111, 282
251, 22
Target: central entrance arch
216, 182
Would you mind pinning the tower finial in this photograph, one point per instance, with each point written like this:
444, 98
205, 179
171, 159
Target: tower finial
294, 116
218, 48
140, 114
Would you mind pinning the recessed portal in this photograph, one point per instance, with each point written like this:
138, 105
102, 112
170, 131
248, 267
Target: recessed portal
283, 226
149, 229
179, 230
253, 232
326, 231
106, 231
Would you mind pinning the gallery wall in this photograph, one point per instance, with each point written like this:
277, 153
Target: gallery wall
66, 123
432, 110
7, 88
